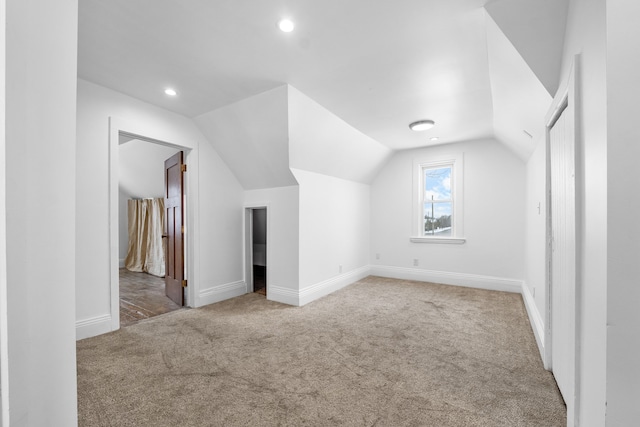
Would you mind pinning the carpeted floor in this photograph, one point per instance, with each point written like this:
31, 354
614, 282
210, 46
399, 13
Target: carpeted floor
380, 352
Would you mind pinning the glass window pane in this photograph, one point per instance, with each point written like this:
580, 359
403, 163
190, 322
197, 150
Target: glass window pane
438, 219
437, 183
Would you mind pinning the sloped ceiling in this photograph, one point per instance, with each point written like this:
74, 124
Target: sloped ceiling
262, 137
377, 65
520, 101
142, 179
252, 137
536, 30
321, 142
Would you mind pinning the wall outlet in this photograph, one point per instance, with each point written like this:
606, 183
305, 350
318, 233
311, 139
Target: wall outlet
415, 262
534, 292
339, 269
377, 256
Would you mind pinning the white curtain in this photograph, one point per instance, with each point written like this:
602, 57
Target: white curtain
146, 223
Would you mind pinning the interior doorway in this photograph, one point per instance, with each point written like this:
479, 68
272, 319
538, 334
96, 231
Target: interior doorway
139, 129
256, 249
142, 229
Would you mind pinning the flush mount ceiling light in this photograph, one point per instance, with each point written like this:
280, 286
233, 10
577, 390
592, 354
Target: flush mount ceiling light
421, 125
170, 92
286, 25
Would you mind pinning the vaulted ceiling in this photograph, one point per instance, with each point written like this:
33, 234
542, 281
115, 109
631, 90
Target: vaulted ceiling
478, 68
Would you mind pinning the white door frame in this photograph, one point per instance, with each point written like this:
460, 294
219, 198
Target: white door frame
248, 243
566, 100
119, 127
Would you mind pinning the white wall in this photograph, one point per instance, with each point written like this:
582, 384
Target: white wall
623, 205
535, 234
282, 239
141, 175
221, 227
4, 356
218, 200
334, 233
494, 187
586, 35
40, 364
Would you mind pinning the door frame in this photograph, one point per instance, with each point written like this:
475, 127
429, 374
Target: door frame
156, 135
248, 244
566, 100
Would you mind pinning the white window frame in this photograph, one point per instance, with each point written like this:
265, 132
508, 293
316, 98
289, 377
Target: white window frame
456, 161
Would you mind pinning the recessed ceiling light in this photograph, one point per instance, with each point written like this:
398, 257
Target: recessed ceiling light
434, 138
170, 92
286, 25
421, 125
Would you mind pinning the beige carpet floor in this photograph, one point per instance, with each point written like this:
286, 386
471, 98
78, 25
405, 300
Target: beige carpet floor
380, 352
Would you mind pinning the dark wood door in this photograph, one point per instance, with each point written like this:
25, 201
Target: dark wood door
174, 217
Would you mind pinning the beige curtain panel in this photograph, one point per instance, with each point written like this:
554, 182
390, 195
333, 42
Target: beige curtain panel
146, 223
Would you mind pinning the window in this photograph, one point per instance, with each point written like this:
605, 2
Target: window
438, 200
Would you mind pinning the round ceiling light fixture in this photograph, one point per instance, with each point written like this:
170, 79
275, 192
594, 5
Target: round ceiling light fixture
170, 92
286, 25
421, 125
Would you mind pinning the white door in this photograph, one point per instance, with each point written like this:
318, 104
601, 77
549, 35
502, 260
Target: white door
563, 253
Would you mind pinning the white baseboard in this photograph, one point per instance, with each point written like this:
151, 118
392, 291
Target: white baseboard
283, 295
448, 278
121, 263
221, 292
318, 290
534, 318
94, 326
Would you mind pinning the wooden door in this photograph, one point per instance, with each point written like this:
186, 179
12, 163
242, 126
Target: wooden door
563, 254
174, 217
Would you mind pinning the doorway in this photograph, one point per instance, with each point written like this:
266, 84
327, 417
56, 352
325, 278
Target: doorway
256, 249
142, 230
120, 130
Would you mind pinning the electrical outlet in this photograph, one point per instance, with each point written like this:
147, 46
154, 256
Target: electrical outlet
339, 269
534, 292
377, 256
415, 262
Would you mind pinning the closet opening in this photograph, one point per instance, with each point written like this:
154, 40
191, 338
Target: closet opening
256, 254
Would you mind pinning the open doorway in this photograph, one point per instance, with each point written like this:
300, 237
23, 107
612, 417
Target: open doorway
256, 253
158, 135
142, 230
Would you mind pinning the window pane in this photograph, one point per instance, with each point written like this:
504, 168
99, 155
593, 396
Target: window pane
438, 219
437, 183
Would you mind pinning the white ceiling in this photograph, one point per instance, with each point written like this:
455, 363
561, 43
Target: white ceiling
378, 65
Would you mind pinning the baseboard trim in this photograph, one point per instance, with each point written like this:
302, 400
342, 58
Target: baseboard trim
221, 292
91, 327
321, 289
317, 290
534, 318
283, 295
448, 278
121, 263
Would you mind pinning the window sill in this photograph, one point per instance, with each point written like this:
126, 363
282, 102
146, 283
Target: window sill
445, 240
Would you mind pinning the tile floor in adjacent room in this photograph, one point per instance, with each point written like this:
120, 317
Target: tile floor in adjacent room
141, 297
